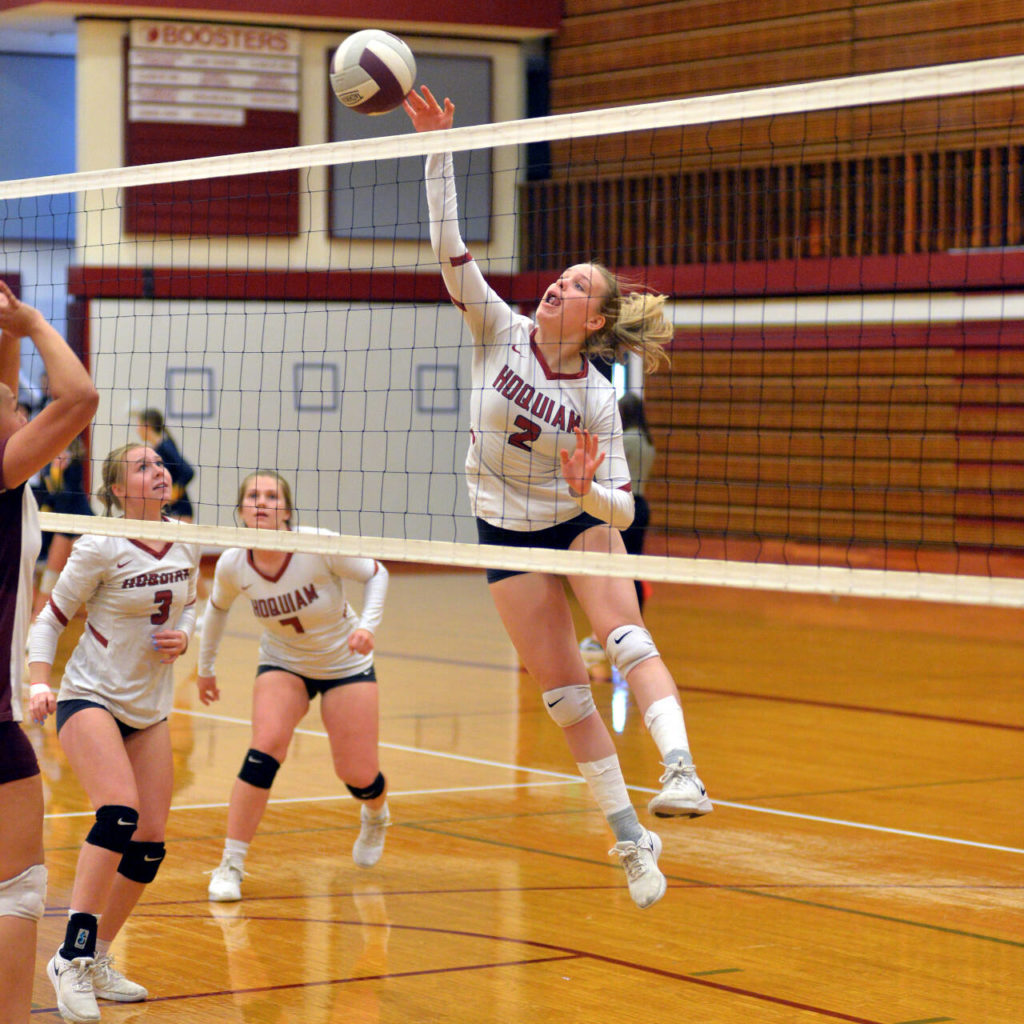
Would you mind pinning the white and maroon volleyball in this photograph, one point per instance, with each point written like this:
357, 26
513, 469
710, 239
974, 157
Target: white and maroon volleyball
372, 71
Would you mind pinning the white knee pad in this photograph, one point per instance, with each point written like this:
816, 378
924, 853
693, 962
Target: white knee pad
629, 645
24, 895
568, 705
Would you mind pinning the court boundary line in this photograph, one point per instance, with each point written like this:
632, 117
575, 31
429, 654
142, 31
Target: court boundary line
563, 778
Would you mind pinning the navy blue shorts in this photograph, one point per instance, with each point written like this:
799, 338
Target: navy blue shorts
17, 758
315, 686
556, 538
66, 708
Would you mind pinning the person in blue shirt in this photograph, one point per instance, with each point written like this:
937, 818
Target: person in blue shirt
153, 432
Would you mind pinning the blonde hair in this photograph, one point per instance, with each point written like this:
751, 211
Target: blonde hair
283, 485
634, 321
115, 471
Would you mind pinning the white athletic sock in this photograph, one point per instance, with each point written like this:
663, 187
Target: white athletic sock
235, 849
102, 947
664, 721
379, 814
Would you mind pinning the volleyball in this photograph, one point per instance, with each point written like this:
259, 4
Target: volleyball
372, 71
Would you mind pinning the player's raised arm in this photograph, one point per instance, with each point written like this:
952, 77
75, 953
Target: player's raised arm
32, 445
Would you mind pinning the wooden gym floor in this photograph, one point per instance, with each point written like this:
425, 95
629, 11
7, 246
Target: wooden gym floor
864, 862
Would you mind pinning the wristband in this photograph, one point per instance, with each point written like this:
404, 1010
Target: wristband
37, 689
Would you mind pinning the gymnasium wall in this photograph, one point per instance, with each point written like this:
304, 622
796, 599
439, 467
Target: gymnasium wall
886, 444
613, 52
363, 406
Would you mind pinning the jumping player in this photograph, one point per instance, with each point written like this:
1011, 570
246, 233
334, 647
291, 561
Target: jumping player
111, 715
535, 394
313, 642
25, 447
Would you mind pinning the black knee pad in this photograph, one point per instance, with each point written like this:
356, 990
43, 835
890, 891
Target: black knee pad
370, 792
114, 827
141, 861
259, 769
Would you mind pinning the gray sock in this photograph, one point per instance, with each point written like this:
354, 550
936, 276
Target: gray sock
674, 756
626, 825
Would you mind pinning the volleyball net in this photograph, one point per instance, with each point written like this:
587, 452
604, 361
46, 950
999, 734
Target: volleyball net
844, 406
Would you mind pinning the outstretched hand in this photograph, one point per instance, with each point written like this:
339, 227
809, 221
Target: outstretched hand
16, 318
580, 467
426, 113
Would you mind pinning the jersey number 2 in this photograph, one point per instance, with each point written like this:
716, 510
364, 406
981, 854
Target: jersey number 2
528, 433
163, 600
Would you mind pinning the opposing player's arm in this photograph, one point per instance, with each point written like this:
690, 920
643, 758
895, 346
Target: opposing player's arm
74, 398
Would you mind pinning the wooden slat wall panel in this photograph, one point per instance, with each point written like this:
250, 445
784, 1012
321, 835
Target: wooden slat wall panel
908, 446
709, 46
911, 446
884, 205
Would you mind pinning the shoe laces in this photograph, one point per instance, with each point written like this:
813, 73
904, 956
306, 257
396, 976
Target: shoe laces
81, 970
631, 855
679, 774
104, 969
372, 829
224, 869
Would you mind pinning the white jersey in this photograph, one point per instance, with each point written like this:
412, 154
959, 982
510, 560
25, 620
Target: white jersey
305, 616
522, 413
130, 590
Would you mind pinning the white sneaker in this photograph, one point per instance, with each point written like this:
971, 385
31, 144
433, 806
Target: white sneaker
226, 881
369, 844
640, 859
682, 793
72, 981
592, 652
110, 983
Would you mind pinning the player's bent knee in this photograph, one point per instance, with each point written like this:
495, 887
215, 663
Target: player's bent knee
568, 705
627, 646
370, 792
24, 895
259, 769
114, 827
141, 861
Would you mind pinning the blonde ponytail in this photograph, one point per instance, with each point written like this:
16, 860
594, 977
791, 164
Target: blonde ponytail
634, 321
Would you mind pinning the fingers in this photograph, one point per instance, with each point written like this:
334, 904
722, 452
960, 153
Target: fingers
171, 643
425, 111
361, 641
41, 706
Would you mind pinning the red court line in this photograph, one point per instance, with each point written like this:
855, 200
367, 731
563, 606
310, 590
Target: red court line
559, 953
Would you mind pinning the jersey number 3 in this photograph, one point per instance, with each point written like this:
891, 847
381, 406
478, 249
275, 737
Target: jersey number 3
163, 600
529, 431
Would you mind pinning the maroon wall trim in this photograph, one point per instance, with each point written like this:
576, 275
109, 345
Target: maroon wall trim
851, 274
537, 16
898, 334
937, 272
